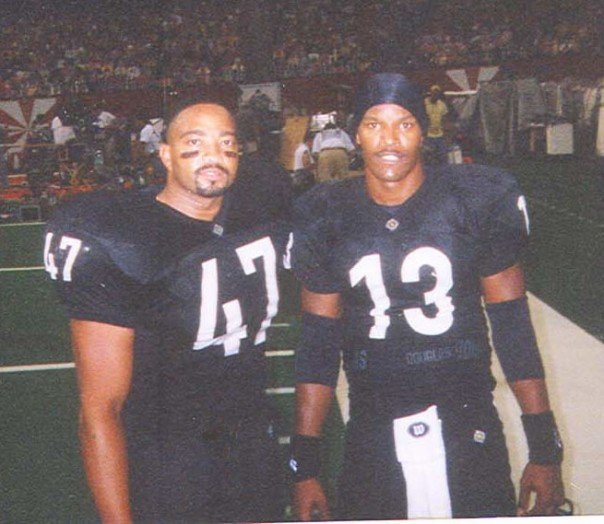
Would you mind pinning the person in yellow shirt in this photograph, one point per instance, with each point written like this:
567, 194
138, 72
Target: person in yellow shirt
436, 109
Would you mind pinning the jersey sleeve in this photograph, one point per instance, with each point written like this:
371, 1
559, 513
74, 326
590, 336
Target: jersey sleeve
89, 284
311, 241
504, 226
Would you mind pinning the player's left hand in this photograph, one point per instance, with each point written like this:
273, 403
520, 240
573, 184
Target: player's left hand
546, 483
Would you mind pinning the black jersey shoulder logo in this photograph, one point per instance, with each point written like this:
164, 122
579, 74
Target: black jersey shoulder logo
392, 224
218, 230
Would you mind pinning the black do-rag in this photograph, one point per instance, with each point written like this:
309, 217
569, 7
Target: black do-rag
390, 88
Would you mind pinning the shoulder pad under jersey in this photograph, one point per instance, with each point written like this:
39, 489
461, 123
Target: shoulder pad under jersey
495, 210
112, 222
327, 202
480, 185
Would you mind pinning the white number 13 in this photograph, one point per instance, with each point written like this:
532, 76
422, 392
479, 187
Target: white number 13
369, 269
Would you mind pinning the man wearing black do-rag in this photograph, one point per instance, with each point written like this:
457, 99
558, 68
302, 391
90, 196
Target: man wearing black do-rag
395, 267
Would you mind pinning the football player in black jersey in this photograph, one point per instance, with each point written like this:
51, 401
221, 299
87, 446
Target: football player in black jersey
394, 267
170, 293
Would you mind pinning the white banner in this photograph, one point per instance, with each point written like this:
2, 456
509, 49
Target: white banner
263, 95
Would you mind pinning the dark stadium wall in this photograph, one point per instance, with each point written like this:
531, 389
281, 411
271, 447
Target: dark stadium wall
134, 105
327, 93
150, 103
320, 94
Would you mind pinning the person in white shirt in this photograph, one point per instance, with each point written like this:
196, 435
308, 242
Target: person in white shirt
304, 168
151, 135
105, 119
61, 134
333, 148
303, 158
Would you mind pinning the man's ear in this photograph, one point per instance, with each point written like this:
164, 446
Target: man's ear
165, 155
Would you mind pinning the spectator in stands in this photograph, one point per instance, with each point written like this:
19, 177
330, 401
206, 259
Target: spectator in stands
333, 148
437, 111
151, 176
123, 144
304, 168
303, 158
3, 161
55, 50
61, 133
150, 135
4, 183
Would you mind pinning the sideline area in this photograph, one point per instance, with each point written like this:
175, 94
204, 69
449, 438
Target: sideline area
42, 479
574, 366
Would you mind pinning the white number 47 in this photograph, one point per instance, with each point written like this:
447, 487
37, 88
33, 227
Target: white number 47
72, 245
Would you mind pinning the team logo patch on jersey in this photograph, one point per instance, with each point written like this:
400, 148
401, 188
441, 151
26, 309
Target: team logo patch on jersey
392, 224
480, 436
293, 465
418, 429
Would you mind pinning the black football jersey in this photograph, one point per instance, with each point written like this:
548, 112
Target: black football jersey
199, 295
409, 276
212, 310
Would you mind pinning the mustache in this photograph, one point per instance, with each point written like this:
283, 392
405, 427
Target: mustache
220, 167
398, 154
390, 150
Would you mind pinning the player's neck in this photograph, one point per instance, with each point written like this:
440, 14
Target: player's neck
394, 193
189, 204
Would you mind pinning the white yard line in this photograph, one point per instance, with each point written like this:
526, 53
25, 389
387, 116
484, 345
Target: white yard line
280, 391
21, 224
37, 367
280, 353
31, 268
71, 365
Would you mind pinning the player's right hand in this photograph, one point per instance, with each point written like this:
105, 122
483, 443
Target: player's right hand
546, 483
310, 502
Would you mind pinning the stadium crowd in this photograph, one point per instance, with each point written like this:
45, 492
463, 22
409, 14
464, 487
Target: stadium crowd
83, 149
84, 46
51, 48
113, 156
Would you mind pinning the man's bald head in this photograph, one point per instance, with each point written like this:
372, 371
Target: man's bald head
183, 115
201, 153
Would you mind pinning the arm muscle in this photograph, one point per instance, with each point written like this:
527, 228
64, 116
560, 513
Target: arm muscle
103, 356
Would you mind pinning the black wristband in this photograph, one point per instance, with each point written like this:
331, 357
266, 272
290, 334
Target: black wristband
543, 439
305, 457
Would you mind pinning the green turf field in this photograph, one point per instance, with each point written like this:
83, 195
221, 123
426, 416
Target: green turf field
41, 479
564, 263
